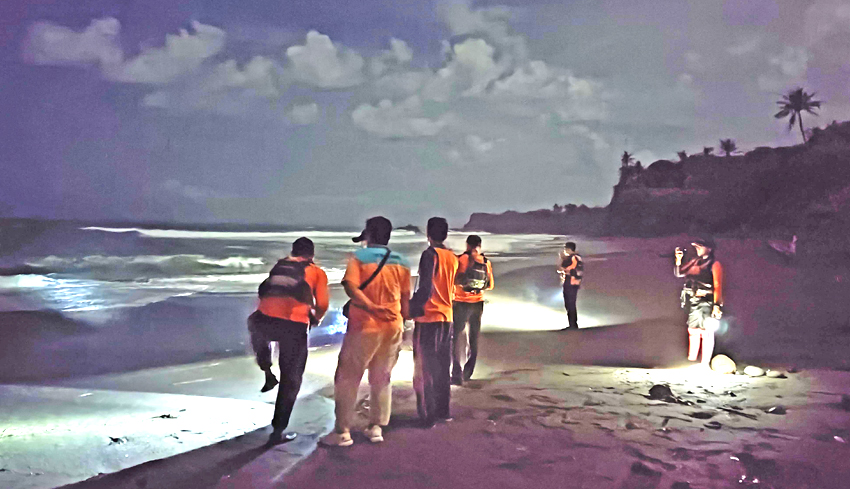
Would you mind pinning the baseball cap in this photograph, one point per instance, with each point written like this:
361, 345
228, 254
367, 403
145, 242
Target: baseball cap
378, 226
706, 242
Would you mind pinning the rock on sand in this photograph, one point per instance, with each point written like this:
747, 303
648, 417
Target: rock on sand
754, 371
723, 365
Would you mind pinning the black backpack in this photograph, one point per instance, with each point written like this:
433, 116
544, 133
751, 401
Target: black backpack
286, 279
475, 278
578, 271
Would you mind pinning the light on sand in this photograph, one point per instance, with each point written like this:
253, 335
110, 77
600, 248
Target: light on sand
513, 315
689, 374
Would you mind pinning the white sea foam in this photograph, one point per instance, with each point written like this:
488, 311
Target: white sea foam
237, 235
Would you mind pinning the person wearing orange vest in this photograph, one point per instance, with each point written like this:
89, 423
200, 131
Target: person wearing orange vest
377, 280
292, 299
431, 308
702, 297
474, 276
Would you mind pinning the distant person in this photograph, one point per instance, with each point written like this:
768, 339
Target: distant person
378, 282
292, 299
571, 271
474, 276
702, 297
431, 308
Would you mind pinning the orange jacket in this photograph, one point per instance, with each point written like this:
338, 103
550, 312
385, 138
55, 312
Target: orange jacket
478, 296
385, 290
432, 301
293, 310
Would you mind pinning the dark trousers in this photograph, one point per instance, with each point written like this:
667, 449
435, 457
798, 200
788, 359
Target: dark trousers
432, 359
292, 340
570, 294
466, 313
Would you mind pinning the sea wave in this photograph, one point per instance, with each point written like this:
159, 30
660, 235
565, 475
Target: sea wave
139, 266
235, 235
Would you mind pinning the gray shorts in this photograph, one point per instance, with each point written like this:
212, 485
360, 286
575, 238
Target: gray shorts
698, 311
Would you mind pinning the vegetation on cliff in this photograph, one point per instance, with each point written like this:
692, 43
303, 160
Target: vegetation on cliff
802, 189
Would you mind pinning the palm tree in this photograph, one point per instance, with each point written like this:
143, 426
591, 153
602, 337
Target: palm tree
683, 155
794, 103
728, 146
626, 159
707, 151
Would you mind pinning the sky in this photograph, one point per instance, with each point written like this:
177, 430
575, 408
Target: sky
305, 112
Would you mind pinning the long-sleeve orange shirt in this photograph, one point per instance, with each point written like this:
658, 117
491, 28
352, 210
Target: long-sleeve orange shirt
432, 301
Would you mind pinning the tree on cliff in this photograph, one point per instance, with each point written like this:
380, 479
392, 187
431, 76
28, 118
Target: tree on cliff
626, 159
707, 151
683, 155
728, 146
793, 104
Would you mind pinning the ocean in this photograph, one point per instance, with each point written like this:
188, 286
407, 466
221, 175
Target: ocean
73, 267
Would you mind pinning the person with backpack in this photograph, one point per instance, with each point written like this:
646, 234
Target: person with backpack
431, 308
377, 280
474, 276
571, 271
292, 299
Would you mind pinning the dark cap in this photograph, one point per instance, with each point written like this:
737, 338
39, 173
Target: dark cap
705, 242
378, 228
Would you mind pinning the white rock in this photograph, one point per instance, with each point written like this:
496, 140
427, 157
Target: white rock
754, 371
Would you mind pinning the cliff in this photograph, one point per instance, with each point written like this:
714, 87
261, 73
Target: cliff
573, 220
788, 190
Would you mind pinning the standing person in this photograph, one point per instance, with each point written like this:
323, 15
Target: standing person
292, 299
378, 282
571, 270
431, 308
474, 276
702, 297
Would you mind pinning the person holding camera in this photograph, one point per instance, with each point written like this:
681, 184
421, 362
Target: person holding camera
702, 297
571, 271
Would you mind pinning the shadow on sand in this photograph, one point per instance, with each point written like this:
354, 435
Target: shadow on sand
649, 343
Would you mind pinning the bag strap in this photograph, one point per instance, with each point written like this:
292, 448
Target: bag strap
377, 270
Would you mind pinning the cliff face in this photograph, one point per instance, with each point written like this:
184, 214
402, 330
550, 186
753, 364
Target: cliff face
798, 189
585, 221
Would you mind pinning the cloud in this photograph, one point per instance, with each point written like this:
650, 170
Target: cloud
786, 69
321, 63
181, 54
590, 142
400, 84
304, 114
50, 44
224, 88
190, 192
398, 121
490, 23
745, 47
469, 71
398, 54
478, 145
694, 62
400, 50
825, 19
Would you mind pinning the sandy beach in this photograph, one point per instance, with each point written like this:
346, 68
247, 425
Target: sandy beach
555, 409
